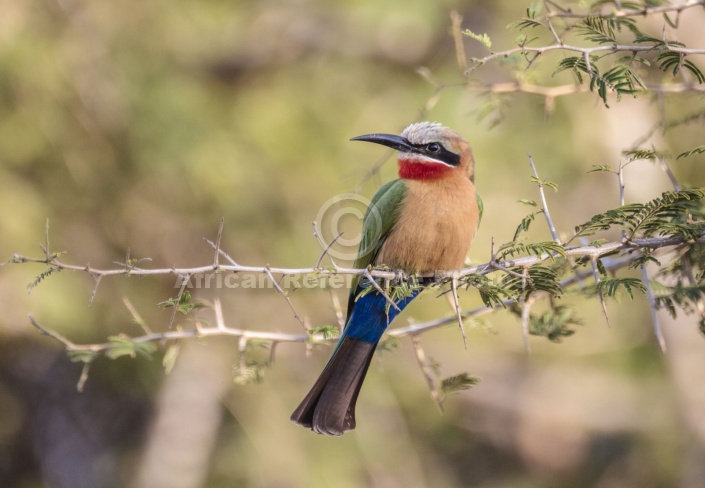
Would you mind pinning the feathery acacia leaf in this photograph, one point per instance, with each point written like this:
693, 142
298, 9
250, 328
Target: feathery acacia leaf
610, 286
696, 150
540, 278
554, 324
457, 383
646, 219
492, 296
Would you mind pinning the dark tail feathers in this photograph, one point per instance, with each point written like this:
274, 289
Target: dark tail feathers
329, 408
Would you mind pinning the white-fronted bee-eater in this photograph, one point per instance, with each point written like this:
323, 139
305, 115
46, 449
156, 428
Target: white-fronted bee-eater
424, 221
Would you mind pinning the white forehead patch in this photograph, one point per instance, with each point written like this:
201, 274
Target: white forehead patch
424, 132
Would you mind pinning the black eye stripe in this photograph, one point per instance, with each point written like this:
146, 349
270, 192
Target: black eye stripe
442, 154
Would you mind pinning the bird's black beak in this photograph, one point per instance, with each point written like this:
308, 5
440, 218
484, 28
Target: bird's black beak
399, 143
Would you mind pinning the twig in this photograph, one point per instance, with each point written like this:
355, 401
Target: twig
596, 275
326, 247
136, 316
669, 173
546, 213
588, 251
221, 329
620, 182
338, 310
525, 317
216, 254
68, 345
369, 277
97, 279
654, 309
222, 253
427, 371
456, 21
456, 300
286, 297
585, 51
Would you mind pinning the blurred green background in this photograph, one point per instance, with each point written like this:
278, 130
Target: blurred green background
138, 125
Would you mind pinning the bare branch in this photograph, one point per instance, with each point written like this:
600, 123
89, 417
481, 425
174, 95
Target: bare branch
427, 371
669, 173
286, 297
456, 21
546, 213
654, 309
326, 247
584, 51
456, 301
620, 182
525, 317
216, 254
136, 316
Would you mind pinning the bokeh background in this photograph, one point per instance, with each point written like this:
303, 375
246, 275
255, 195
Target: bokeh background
138, 125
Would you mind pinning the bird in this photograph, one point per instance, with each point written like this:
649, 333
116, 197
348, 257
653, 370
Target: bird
422, 222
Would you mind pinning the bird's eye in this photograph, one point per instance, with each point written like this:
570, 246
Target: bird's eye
433, 147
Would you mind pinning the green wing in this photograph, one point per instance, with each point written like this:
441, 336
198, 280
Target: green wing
379, 219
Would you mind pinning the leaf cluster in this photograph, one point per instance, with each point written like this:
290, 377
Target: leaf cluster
661, 216
554, 324
538, 279
183, 303
622, 75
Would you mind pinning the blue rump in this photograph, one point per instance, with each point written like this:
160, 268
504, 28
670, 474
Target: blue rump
372, 314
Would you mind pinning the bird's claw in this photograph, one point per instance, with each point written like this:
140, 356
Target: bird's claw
400, 277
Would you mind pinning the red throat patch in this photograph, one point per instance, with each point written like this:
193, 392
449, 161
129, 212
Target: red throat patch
422, 171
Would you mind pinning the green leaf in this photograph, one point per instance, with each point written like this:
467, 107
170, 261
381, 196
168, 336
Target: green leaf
547, 183
674, 61
251, 373
696, 150
601, 167
537, 249
328, 331
170, 357
524, 225
640, 154
540, 278
554, 324
528, 202
121, 345
185, 305
388, 344
492, 295
82, 356
610, 286
524, 24
458, 383
602, 29
483, 39
598, 242
43, 275
530, 20
656, 217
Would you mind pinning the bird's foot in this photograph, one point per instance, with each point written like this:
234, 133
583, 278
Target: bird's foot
400, 277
